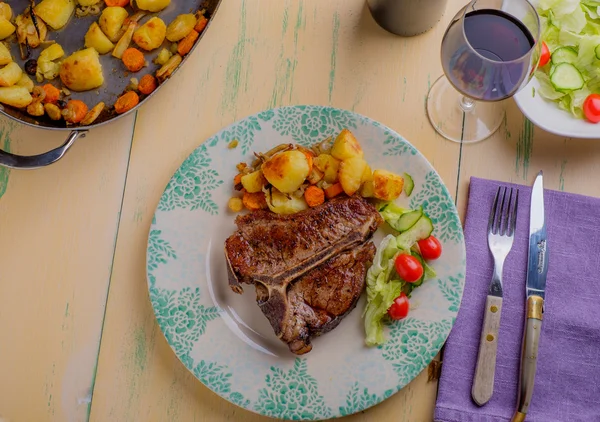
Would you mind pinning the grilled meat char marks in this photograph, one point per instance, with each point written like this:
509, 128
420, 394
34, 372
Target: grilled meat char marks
276, 249
308, 268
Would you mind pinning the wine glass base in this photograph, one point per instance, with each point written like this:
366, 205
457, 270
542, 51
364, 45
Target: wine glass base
449, 119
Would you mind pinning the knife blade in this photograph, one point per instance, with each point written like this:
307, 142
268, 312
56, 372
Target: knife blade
535, 290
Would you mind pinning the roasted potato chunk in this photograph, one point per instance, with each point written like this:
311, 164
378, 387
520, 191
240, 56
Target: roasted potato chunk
55, 13
346, 146
287, 170
281, 203
96, 39
151, 34
6, 28
25, 82
180, 27
111, 20
5, 11
152, 5
367, 190
351, 173
16, 96
329, 166
10, 74
87, 2
387, 185
5, 56
254, 181
82, 71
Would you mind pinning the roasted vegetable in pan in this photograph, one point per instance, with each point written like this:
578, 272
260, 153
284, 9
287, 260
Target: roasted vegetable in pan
152, 5
96, 39
151, 34
111, 21
55, 13
82, 71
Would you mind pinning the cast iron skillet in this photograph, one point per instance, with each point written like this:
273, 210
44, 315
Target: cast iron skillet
116, 77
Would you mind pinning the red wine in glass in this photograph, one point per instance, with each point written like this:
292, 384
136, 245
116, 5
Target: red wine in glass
485, 62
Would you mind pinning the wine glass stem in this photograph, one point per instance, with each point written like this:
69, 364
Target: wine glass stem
467, 104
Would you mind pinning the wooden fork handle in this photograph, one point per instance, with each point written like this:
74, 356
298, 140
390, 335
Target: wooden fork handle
483, 382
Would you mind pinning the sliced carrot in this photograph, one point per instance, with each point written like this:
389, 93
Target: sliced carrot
120, 3
126, 102
75, 111
333, 190
133, 59
52, 94
254, 201
201, 24
147, 84
314, 196
186, 44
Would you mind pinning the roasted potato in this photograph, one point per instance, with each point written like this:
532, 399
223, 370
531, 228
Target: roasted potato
5, 11
55, 13
25, 82
151, 34
10, 74
387, 185
180, 27
111, 21
367, 189
367, 175
254, 181
152, 5
286, 170
16, 96
281, 203
346, 146
53, 52
5, 56
96, 39
82, 71
329, 166
87, 2
6, 28
351, 173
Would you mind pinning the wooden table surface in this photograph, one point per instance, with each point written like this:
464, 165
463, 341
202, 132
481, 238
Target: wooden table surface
78, 337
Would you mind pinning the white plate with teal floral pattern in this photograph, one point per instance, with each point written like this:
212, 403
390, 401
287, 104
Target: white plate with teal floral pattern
225, 340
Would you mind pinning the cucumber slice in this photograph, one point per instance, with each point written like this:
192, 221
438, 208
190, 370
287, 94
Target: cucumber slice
564, 55
597, 51
409, 184
566, 77
406, 221
422, 229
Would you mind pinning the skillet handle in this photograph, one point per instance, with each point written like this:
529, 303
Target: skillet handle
41, 160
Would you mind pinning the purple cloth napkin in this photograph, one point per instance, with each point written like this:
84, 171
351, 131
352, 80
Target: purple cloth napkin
567, 385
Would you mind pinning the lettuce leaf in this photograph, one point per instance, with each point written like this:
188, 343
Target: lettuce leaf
574, 23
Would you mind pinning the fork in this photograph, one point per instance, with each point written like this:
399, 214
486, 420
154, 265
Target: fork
501, 231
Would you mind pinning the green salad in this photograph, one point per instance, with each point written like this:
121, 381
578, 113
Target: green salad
399, 267
569, 66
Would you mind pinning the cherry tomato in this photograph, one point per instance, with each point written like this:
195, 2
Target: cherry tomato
591, 108
431, 248
544, 56
408, 268
399, 308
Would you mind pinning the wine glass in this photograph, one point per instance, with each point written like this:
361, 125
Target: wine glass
489, 52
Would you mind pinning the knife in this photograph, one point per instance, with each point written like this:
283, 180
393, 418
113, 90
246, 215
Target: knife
537, 269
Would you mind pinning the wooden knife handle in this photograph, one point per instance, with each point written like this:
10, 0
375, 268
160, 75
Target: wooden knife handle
529, 355
483, 382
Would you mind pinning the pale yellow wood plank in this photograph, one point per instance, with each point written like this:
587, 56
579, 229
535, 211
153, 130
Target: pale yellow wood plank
519, 150
57, 234
256, 55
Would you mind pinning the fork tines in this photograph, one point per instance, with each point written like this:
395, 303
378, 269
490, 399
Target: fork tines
503, 215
